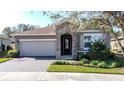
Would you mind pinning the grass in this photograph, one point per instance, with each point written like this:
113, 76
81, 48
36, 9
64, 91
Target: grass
81, 69
4, 59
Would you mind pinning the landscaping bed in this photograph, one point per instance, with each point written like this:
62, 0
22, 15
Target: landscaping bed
4, 59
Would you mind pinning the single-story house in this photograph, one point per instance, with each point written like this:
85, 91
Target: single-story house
114, 44
5, 43
61, 40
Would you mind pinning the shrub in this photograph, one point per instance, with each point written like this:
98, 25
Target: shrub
83, 55
84, 61
99, 51
101, 64
115, 64
81, 63
13, 53
94, 63
60, 62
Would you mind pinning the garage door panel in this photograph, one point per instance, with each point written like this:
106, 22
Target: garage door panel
37, 48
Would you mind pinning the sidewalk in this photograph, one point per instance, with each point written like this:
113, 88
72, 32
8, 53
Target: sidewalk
58, 76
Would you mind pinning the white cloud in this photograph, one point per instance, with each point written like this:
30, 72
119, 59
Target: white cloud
11, 19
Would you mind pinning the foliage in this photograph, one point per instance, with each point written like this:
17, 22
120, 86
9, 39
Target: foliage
84, 61
19, 28
104, 64
115, 64
60, 62
99, 51
101, 64
13, 53
82, 55
94, 63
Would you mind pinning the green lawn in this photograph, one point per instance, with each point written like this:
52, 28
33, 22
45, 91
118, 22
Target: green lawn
4, 59
81, 69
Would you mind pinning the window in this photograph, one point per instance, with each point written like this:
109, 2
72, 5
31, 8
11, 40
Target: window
66, 43
87, 42
87, 38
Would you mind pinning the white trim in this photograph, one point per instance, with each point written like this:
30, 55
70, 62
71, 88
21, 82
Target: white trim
37, 39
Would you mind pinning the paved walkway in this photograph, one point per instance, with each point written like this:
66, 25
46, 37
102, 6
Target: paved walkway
26, 64
55, 76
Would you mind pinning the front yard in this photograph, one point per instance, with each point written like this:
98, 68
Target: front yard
82, 69
99, 59
4, 59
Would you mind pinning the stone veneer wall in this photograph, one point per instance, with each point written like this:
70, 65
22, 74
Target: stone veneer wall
63, 29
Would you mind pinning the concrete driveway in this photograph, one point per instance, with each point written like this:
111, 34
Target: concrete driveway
26, 64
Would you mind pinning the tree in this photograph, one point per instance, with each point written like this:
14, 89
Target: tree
19, 28
112, 19
7, 31
105, 20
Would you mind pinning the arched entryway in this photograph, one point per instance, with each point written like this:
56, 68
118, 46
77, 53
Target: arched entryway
66, 44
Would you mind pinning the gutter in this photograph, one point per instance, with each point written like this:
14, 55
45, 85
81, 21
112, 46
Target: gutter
34, 35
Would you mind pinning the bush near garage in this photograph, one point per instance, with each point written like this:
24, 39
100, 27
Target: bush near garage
13, 53
61, 62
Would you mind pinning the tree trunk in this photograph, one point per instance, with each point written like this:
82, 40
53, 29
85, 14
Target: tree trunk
120, 46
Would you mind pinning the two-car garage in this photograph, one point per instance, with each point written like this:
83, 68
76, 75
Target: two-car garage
37, 42
37, 47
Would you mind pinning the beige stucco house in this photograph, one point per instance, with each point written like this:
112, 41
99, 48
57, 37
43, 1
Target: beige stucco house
61, 40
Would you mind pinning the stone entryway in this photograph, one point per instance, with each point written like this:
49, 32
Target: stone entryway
66, 41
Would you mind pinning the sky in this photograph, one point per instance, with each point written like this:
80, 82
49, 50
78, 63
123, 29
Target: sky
10, 19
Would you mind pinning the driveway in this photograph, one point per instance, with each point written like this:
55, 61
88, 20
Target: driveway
26, 64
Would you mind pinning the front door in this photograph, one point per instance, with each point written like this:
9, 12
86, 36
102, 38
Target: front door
66, 45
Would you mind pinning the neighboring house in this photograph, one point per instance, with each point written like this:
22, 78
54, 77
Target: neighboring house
61, 40
5, 43
115, 46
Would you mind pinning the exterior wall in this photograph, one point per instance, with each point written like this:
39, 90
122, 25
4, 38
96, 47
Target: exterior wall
17, 39
6, 42
66, 29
